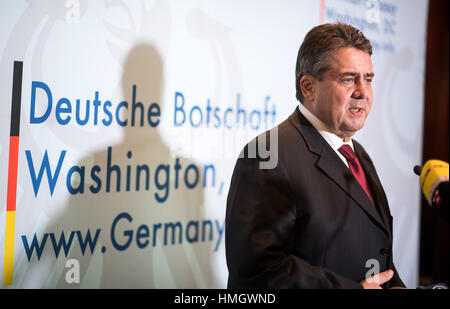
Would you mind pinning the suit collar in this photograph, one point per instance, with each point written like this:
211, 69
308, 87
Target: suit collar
329, 162
312, 138
332, 139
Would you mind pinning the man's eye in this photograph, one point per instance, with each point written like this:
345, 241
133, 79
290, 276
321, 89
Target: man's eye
369, 80
348, 80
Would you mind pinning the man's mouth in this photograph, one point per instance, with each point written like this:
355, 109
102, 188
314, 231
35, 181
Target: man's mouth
356, 110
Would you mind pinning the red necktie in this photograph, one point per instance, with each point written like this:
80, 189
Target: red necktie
356, 168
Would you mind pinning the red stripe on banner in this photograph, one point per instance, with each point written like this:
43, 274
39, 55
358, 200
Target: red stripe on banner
12, 173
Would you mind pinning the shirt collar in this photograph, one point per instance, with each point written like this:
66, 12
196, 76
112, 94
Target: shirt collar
335, 141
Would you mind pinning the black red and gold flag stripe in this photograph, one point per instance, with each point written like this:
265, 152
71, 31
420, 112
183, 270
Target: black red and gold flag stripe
8, 264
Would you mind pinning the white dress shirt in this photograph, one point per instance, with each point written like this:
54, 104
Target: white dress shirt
332, 139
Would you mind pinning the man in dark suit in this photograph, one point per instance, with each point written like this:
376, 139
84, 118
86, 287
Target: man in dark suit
319, 217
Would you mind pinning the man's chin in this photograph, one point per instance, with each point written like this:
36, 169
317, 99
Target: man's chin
349, 132
354, 127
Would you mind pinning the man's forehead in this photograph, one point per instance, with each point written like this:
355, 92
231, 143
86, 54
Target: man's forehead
350, 60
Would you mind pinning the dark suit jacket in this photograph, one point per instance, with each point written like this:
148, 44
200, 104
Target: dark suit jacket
307, 223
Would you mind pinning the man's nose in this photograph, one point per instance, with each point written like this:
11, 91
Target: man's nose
361, 90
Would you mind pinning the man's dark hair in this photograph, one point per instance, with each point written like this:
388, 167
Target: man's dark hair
319, 43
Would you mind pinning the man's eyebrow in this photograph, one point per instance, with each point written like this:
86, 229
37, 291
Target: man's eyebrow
354, 74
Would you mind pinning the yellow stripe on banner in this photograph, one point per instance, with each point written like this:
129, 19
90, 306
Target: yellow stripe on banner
9, 248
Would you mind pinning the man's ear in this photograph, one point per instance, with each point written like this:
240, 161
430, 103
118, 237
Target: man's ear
308, 87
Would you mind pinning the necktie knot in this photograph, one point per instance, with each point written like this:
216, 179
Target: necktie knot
347, 152
355, 167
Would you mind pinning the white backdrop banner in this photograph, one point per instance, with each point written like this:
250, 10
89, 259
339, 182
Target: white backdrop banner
132, 116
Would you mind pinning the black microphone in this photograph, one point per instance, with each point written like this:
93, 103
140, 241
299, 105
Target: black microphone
436, 286
417, 170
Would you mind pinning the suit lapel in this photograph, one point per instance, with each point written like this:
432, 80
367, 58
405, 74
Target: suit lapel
375, 186
333, 167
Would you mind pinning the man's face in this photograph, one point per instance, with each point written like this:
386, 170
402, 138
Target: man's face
343, 98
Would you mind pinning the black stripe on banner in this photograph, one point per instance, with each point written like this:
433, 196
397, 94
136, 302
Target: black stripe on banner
16, 98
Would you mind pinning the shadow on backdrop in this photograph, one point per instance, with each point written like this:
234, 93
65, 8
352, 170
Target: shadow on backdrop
147, 246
